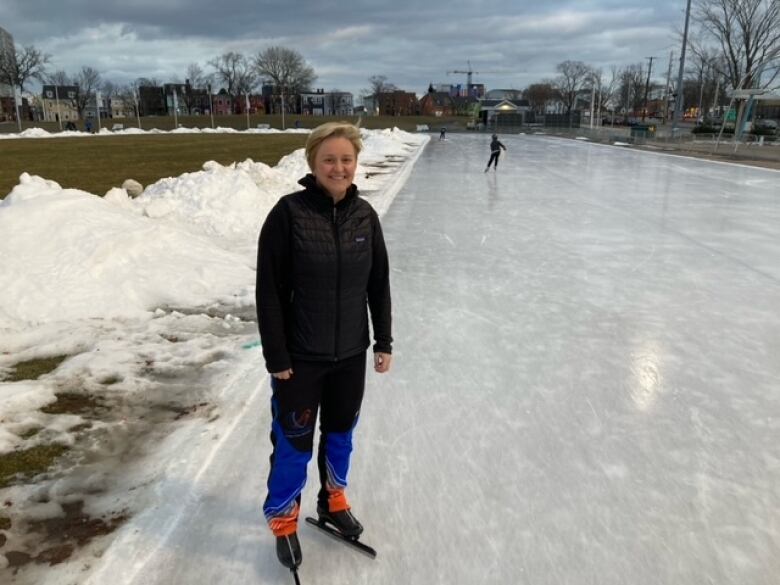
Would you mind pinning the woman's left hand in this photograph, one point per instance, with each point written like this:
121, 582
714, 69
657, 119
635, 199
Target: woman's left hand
382, 362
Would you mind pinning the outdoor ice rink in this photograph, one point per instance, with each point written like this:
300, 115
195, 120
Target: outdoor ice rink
588, 380
586, 387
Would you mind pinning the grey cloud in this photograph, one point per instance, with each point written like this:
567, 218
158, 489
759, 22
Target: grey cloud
412, 43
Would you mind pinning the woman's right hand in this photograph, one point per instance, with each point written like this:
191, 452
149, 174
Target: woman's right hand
283, 375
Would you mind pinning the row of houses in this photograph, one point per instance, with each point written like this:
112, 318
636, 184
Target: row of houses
487, 107
64, 102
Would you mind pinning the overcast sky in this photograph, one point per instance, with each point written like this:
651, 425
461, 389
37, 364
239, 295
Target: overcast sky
510, 44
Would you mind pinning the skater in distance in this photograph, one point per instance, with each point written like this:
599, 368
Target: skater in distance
495, 152
322, 265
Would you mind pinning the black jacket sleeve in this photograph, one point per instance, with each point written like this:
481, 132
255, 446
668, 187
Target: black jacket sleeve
379, 291
272, 292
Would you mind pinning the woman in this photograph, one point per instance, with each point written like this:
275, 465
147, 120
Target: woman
321, 262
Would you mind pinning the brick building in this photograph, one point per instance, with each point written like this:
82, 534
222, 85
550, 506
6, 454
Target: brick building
397, 103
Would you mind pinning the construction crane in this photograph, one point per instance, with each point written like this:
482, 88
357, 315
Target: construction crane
469, 72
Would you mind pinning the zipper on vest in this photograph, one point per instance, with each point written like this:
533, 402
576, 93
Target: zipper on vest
338, 285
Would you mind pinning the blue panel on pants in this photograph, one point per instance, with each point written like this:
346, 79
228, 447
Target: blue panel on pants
288, 473
338, 447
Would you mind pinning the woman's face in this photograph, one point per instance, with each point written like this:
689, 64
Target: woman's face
334, 166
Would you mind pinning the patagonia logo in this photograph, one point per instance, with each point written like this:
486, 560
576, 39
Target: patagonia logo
360, 239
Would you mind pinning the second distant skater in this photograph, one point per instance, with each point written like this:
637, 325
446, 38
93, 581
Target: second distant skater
495, 152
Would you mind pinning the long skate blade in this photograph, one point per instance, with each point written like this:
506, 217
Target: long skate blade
333, 533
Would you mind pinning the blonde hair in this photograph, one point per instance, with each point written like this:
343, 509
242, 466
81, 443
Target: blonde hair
331, 130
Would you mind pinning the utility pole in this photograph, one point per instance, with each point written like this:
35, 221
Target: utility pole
717, 90
137, 108
678, 102
211, 107
699, 114
98, 99
668, 86
175, 109
647, 86
17, 101
57, 101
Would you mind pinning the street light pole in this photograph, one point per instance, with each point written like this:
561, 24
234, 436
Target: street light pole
17, 99
283, 108
211, 107
57, 100
175, 110
647, 86
98, 99
137, 109
678, 102
668, 88
592, 102
701, 93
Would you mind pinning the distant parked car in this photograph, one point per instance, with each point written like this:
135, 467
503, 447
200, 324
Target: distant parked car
765, 126
714, 120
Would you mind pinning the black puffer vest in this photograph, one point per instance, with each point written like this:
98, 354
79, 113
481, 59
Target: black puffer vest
331, 248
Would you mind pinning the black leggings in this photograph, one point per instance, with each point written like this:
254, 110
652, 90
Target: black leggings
336, 391
494, 157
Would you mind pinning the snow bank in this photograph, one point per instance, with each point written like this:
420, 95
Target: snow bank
185, 242
69, 255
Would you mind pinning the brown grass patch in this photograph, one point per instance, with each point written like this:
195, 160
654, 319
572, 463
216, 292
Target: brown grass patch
73, 403
34, 369
62, 535
24, 464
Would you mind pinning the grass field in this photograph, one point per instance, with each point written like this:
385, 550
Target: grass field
97, 164
408, 123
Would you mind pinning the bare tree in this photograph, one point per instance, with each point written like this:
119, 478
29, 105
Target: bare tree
236, 74
379, 84
603, 89
608, 89
19, 66
88, 81
146, 82
539, 94
128, 93
631, 87
116, 98
197, 78
60, 78
247, 81
286, 69
748, 35
573, 76
195, 81
704, 71
108, 88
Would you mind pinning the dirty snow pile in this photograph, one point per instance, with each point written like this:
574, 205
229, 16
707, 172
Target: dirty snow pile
150, 300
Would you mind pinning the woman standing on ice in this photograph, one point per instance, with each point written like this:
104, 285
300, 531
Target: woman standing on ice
495, 152
321, 263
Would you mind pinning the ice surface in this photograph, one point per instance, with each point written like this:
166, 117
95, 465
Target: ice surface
585, 389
